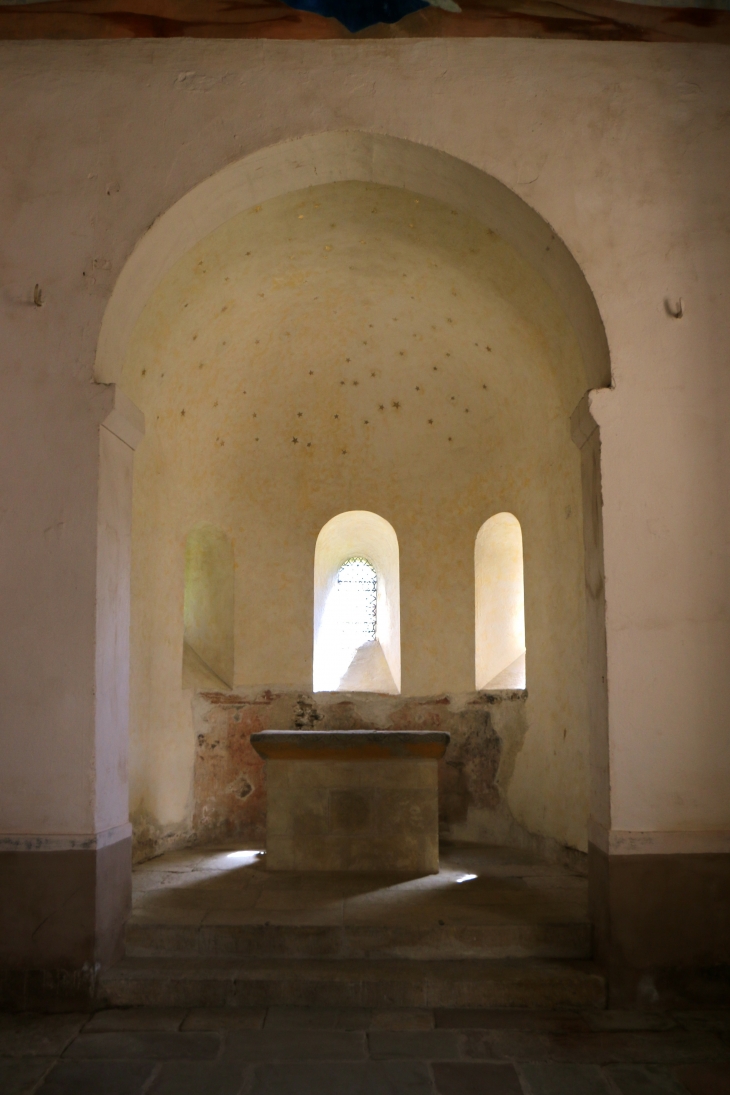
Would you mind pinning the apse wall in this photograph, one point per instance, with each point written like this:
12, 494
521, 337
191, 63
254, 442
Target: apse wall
357, 347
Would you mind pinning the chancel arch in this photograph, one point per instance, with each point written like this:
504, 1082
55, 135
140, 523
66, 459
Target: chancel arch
376, 343
357, 605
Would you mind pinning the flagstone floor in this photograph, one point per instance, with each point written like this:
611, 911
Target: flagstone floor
301, 1051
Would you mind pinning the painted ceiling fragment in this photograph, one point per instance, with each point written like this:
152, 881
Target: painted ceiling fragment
358, 14
587, 20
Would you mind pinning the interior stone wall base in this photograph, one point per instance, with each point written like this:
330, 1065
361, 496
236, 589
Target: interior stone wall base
53, 990
65, 921
661, 927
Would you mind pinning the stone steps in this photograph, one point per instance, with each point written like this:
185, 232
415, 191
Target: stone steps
431, 942
494, 928
257, 982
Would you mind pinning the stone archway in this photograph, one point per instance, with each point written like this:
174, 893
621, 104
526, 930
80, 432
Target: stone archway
354, 157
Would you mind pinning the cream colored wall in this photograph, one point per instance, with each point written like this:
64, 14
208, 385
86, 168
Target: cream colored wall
621, 148
348, 347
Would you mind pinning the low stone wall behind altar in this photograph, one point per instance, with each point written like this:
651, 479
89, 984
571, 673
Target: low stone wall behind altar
228, 794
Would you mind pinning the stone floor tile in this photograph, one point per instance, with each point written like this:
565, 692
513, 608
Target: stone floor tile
305, 886
426, 915
644, 1080
460, 1078
28, 1033
160, 876
216, 879
226, 900
183, 859
402, 1019
283, 1018
220, 857
628, 1020
703, 1020
224, 1019
295, 1045
19, 1075
647, 1047
234, 914
429, 1045
190, 898
136, 1019
478, 1045
353, 1078
316, 917
297, 899
197, 1078
97, 1078
173, 917
510, 1019
155, 1045
564, 1080
705, 1079
353, 1018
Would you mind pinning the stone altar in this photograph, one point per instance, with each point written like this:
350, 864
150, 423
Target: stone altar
352, 800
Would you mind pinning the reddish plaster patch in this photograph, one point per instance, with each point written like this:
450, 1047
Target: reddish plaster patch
228, 780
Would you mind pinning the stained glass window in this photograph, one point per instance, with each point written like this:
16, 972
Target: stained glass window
356, 598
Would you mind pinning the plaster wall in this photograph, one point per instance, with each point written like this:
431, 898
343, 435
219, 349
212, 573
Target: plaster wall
622, 148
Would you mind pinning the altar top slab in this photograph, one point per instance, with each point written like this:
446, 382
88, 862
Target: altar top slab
349, 745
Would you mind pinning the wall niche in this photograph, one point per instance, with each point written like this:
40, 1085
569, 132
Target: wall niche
208, 610
499, 594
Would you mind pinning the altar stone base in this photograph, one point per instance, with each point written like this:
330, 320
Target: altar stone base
377, 815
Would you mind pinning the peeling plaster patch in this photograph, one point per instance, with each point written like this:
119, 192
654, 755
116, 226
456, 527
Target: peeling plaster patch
228, 779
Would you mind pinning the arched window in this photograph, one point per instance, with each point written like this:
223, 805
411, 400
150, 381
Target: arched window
499, 604
356, 605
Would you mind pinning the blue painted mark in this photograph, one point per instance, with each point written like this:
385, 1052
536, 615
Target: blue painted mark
358, 14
